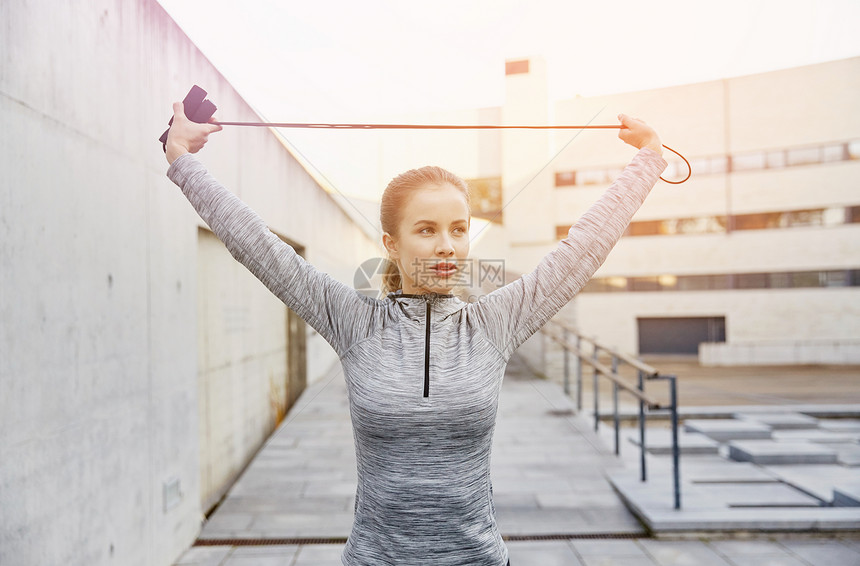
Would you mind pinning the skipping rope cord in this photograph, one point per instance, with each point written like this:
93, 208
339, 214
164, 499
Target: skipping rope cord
443, 127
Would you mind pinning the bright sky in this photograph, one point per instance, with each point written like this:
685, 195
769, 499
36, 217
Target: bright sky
326, 60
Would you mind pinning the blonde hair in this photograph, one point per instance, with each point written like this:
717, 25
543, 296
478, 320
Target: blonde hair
394, 200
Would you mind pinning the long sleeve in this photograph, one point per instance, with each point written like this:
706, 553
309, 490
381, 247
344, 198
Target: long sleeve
511, 314
333, 309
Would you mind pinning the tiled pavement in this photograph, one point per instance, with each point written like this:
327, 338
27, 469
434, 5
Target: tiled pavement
548, 478
636, 552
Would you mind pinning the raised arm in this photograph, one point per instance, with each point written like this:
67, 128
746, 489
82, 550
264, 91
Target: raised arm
511, 314
337, 311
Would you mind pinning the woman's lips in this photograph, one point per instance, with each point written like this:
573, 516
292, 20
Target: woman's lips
445, 269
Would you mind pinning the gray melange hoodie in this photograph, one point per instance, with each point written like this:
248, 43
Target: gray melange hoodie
423, 372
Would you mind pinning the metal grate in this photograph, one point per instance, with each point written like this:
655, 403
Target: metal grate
336, 540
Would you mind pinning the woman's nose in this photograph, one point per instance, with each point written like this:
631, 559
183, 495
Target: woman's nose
445, 247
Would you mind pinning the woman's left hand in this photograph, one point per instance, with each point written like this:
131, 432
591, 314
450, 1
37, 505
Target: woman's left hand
639, 134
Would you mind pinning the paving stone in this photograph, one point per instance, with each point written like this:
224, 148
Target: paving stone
840, 425
781, 420
543, 553
682, 553
848, 454
768, 452
260, 560
767, 560
817, 480
723, 430
204, 556
738, 548
608, 547
829, 553
320, 555
618, 561
659, 442
847, 494
774, 494
266, 550
700, 511
713, 470
814, 435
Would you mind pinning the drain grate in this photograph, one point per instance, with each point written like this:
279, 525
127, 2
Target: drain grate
266, 541
336, 540
576, 536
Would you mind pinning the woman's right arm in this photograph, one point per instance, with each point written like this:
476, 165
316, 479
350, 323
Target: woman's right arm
334, 309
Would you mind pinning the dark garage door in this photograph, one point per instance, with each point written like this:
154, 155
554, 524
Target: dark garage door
679, 335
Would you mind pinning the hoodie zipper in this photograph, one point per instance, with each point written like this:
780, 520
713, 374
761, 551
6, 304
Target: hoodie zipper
427, 354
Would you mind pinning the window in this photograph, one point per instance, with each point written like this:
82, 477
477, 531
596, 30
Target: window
803, 156
644, 228
486, 197
748, 161
751, 281
834, 152
803, 218
644, 284
517, 67
775, 159
759, 221
606, 285
592, 177
726, 281
719, 164
565, 178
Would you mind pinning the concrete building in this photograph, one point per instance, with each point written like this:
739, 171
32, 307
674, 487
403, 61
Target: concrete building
142, 367
754, 260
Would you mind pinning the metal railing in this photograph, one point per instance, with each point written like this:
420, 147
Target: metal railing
644, 373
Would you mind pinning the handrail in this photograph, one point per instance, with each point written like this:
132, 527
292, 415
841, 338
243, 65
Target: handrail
644, 372
626, 358
608, 374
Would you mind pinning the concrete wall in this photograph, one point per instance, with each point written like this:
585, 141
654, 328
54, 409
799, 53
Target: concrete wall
99, 283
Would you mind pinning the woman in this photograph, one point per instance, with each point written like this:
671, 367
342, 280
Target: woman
423, 368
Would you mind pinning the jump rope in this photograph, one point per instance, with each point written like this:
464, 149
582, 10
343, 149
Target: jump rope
200, 110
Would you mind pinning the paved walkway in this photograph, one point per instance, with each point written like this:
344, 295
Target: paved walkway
548, 477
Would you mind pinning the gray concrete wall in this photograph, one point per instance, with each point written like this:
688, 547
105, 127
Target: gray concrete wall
98, 279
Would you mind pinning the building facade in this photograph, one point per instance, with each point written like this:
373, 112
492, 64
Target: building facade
754, 260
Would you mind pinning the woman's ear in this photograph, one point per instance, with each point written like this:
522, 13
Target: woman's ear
390, 245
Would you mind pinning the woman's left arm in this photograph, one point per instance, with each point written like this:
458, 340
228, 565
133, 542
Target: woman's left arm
510, 315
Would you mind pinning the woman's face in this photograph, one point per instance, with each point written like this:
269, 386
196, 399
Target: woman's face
432, 241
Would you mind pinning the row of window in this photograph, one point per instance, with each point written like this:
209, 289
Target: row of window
715, 165
833, 216
725, 281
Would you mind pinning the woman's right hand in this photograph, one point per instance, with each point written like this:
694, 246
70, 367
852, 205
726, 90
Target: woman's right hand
186, 136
